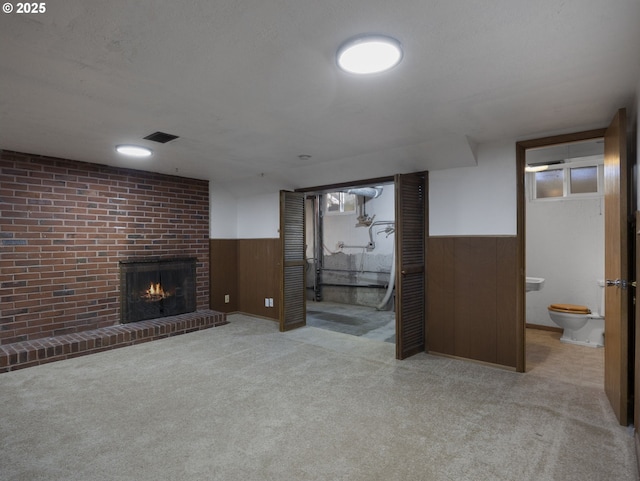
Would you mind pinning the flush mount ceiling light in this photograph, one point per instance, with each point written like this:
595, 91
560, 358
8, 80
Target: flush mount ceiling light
540, 166
367, 54
133, 150
535, 168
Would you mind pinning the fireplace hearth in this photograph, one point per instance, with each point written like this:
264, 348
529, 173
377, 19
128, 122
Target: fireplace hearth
154, 288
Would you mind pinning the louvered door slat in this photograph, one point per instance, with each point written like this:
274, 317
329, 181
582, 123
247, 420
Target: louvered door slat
292, 232
411, 232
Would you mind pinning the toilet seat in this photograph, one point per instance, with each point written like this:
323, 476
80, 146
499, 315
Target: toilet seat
570, 308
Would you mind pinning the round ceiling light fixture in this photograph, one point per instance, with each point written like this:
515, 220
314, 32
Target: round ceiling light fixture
368, 54
133, 150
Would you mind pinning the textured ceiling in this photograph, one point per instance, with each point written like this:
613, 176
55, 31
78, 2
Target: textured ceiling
249, 85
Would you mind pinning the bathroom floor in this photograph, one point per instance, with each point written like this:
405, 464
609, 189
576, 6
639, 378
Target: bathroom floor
550, 358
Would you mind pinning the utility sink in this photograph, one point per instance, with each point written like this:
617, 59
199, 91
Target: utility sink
534, 283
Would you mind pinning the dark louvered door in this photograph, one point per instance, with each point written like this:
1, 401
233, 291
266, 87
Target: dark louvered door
411, 232
292, 290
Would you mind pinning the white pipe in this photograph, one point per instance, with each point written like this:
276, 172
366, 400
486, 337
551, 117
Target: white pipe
343, 246
371, 192
372, 244
392, 278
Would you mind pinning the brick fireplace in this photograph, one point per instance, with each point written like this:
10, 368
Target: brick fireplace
66, 225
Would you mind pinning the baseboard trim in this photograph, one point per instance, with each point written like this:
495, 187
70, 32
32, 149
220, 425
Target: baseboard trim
542, 327
255, 315
476, 361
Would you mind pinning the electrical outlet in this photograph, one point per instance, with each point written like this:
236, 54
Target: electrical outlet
266, 302
271, 302
226, 298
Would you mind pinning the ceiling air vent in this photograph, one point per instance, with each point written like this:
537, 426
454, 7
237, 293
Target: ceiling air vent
161, 137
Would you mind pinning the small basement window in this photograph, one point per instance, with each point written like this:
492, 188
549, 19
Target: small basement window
583, 180
549, 183
340, 203
574, 180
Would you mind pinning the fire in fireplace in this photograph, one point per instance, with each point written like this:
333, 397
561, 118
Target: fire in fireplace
155, 291
153, 288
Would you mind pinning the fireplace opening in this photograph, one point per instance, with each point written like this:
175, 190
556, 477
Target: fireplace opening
153, 288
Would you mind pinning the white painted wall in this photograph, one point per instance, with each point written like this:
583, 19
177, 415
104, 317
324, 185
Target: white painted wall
565, 246
223, 213
479, 200
245, 217
259, 216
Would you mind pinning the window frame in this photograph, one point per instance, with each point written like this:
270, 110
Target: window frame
592, 161
341, 203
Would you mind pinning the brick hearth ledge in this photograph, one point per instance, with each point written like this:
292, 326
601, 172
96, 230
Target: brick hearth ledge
24, 354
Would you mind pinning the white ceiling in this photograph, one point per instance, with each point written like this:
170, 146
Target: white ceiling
249, 85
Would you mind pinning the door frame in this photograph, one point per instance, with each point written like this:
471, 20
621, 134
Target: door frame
389, 180
521, 149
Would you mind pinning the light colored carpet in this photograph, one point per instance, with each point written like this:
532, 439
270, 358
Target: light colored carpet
245, 402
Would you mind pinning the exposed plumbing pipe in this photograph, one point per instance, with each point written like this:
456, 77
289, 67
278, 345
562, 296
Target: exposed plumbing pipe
392, 275
318, 246
372, 244
371, 192
342, 245
353, 284
351, 271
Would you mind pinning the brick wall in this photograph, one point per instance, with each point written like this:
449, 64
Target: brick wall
64, 225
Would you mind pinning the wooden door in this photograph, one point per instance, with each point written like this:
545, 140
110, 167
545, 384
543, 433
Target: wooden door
411, 233
616, 329
636, 383
292, 289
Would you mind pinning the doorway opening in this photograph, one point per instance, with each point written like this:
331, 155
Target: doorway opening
619, 246
561, 231
350, 259
409, 285
564, 260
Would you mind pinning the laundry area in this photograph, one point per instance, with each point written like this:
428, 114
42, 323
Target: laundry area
350, 261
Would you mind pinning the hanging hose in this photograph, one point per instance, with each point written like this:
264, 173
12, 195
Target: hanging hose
392, 278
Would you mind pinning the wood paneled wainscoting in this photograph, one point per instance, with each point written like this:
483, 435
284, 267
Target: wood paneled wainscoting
223, 274
248, 271
472, 298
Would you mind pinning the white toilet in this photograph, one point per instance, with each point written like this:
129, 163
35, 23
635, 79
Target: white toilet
581, 326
